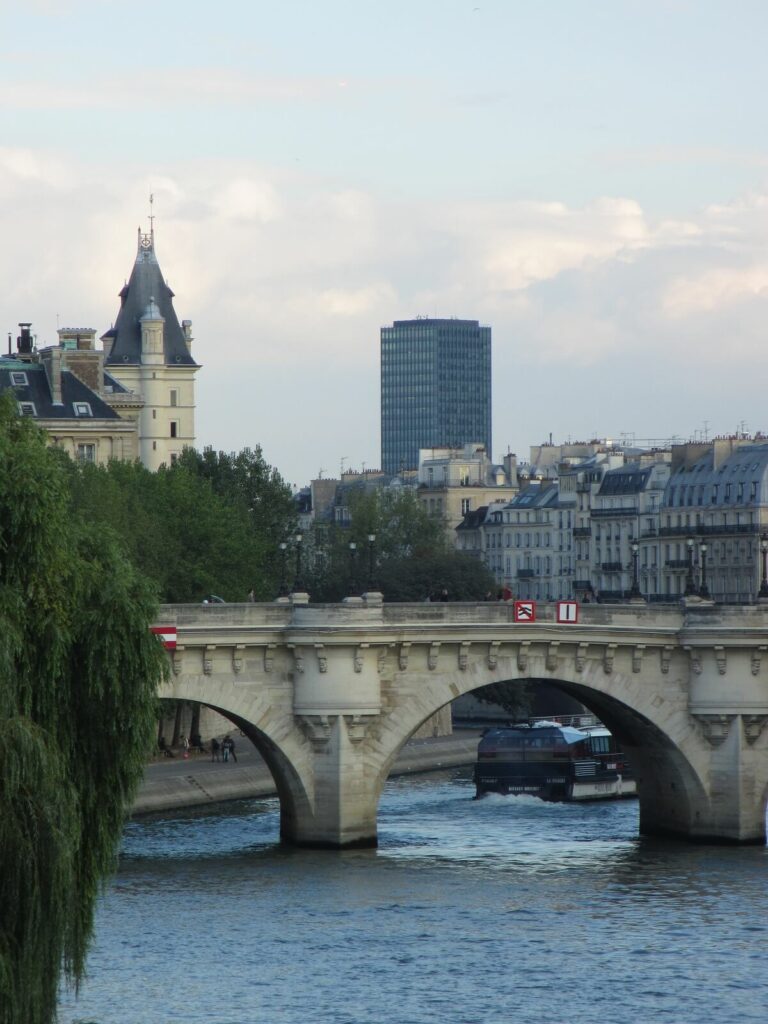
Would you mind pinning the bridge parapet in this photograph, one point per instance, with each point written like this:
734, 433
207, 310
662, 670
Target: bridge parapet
334, 690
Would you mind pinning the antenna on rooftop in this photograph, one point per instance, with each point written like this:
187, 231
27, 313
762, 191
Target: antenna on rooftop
151, 214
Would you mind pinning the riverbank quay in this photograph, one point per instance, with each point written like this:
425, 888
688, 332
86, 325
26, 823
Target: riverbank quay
176, 783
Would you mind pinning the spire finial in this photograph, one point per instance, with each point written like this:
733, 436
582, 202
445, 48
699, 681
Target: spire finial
151, 214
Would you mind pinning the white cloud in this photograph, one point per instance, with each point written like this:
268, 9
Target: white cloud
288, 279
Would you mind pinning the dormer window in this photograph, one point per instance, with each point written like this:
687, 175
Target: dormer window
19, 379
82, 409
27, 409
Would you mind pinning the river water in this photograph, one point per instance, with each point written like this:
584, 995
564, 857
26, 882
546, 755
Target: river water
503, 909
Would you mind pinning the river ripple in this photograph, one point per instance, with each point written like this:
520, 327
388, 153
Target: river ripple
504, 909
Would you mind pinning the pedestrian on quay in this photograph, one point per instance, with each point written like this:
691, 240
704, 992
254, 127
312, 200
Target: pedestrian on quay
225, 748
185, 745
215, 748
251, 596
232, 753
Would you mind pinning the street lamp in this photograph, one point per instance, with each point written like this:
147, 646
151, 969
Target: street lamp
703, 589
298, 583
634, 547
283, 568
371, 542
762, 593
690, 586
352, 568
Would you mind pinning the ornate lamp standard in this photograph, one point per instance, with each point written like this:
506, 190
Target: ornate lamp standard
704, 589
371, 561
690, 586
298, 583
634, 592
352, 568
283, 569
762, 594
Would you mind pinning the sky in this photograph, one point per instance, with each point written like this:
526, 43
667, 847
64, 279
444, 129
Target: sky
589, 177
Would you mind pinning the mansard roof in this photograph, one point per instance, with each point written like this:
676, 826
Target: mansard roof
628, 479
146, 285
741, 479
29, 382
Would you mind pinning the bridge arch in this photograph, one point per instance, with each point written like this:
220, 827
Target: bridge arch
288, 763
672, 793
331, 693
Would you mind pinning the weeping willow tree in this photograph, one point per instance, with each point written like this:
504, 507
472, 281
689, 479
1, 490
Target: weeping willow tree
78, 673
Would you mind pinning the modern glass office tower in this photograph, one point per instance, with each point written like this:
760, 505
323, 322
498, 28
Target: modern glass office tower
435, 388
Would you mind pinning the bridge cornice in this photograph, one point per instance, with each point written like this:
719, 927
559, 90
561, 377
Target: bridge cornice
256, 625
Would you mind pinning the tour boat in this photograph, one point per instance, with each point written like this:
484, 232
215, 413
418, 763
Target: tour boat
553, 761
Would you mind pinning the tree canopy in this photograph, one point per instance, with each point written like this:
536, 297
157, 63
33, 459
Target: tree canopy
411, 558
79, 670
211, 524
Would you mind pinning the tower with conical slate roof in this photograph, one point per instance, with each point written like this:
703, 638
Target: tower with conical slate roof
150, 353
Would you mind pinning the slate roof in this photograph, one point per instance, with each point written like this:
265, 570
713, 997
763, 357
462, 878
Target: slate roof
536, 496
741, 479
146, 284
37, 391
628, 479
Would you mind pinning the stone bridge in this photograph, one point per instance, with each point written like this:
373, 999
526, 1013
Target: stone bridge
330, 693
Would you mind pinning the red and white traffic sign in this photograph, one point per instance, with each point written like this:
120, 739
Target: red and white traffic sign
567, 611
167, 634
524, 611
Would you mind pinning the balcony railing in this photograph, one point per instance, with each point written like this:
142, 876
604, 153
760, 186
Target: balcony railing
526, 574
612, 566
676, 563
615, 513
708, 531
582, 531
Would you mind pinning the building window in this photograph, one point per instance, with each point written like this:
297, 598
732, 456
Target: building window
19, 379
174, 428
466, 505
174, 397
86, 453
27, 409
82, 409
154, 414
174, 457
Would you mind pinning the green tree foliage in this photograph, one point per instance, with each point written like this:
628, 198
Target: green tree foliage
513, 697
245, 481
178, 529
78, 674
412, 557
